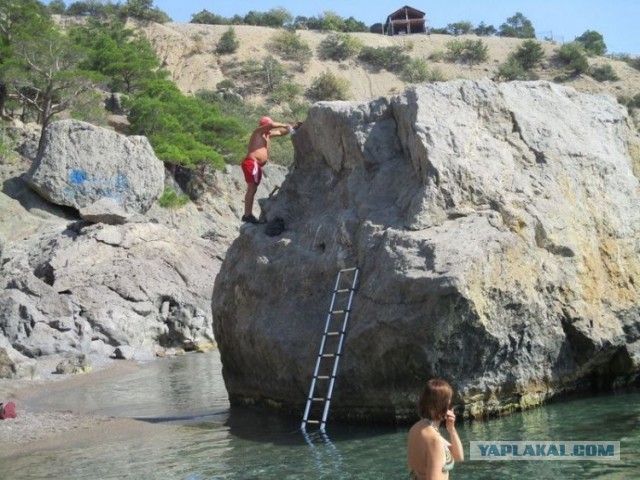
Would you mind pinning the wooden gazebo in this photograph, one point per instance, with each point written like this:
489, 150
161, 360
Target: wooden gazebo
404, 21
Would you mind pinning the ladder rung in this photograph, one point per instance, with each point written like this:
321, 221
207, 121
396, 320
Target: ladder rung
328, 355
348, 269
333, 333
313, 421
319, 399
343, 290
323, 377
340, 311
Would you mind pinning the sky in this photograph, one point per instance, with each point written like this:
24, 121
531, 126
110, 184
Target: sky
561, 20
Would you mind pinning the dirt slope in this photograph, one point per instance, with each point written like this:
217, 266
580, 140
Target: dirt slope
188, 52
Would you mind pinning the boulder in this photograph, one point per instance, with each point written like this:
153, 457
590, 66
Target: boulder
497, 232
80, 164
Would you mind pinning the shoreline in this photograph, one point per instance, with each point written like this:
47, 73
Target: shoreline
35, 428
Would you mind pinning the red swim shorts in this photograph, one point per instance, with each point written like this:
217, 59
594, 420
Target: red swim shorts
252, 170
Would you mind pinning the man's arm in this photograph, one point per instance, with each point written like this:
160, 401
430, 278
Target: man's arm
274, 129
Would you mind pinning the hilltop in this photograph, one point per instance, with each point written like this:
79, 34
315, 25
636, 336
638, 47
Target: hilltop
188, 52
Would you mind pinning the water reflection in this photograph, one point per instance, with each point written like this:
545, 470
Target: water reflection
209, 440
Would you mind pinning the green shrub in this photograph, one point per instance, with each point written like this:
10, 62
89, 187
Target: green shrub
529, 54
171, 199
284, 93
290, 46
602, 73
262, 77
328, 87
511, 70
228, 42
392, 59
634, 62
592, 42
467, 51
630, 102
415, 71
572, 56
226, 84
339, 46
437, 56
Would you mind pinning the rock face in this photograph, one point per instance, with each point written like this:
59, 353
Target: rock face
91, 288
497, 230
81, 164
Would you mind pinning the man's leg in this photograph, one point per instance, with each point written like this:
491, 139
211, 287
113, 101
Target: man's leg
252, 188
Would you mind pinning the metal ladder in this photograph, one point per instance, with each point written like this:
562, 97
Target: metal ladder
324, 374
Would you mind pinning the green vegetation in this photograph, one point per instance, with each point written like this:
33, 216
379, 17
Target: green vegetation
392, 59
282, 18
470, 52
417, 71
592, 42
290, 46
171, 199
228, 42
513, 70
483, 30
517, 26
572, 57
459, 28
603, 73
138, 9
328, 87
631, 103
125, 57
339, 47
184, 130
529, 54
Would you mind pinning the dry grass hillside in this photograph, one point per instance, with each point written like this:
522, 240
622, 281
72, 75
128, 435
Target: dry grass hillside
188, 52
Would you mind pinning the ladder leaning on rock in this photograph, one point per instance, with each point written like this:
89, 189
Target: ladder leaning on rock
331, 345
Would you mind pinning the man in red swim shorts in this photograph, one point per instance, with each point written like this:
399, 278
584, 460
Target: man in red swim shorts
257, 157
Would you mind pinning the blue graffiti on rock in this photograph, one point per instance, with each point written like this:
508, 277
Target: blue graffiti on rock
81, 184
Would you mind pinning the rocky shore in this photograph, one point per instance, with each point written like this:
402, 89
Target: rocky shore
40, 429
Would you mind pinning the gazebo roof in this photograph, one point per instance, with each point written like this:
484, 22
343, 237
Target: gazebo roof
412, 10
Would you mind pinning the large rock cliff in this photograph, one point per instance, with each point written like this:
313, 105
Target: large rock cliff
497, 229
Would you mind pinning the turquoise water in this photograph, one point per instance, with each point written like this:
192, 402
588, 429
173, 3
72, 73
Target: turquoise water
211, 441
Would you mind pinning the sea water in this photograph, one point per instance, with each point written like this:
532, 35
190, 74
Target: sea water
210, 440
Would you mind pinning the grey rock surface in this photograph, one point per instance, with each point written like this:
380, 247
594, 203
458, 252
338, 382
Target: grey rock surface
81, 164
497, 230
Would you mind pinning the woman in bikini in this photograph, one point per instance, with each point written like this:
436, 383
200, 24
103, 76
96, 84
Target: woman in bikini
429, 455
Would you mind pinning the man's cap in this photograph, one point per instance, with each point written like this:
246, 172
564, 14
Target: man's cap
265, 121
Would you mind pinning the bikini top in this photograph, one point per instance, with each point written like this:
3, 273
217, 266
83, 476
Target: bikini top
449, 462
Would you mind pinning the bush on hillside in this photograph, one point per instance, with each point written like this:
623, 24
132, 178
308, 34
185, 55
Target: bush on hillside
572, 56
470, 52
603, 73
261, 77
512, 69
339, 47
592, 42
634, 62
228, 42
529, 54
392, 59
290, 46
328, 87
